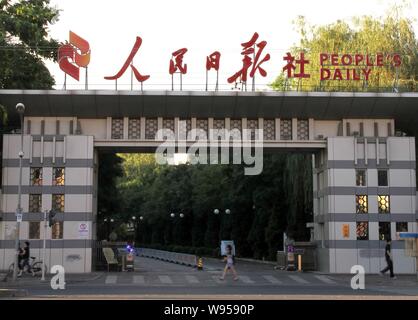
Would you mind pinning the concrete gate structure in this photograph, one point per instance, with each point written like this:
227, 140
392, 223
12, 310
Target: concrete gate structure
364, 170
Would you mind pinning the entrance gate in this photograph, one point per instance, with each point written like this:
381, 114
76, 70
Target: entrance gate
363, 179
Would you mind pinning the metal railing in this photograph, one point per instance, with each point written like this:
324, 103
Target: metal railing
175, 257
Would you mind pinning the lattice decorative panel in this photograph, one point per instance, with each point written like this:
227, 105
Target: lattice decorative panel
269, 127
202, 124
34, 230
362, 230
303, 130
285, 129
185, 126
35, 203
383, 204
237, 125
57, 230
58, 202
218, 128
58, 176
252, 124
117, 128
168, 128
36, 176
362, 204
151, 128
134, 128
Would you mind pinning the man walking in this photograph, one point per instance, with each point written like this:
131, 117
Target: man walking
389, 260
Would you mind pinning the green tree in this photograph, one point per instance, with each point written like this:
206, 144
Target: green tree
24, 43
391, 34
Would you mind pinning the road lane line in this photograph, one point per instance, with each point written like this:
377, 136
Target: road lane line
217, 280
165, 279
325, 279
192, 279
298, 279
272, 279
139, 279
111, 279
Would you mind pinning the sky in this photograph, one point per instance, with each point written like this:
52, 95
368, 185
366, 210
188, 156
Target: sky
202, 27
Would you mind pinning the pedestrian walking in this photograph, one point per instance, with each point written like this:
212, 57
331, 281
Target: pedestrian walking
389, 260
230, 262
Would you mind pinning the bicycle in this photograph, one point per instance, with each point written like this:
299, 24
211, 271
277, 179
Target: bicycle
34, 265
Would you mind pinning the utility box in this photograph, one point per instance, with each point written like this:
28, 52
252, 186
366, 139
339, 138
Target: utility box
128, 260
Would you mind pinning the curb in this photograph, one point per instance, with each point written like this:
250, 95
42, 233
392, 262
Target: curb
257, 261
12, 293
30, 280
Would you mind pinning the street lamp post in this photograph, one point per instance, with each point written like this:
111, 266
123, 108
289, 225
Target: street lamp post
20, 108
217, 212
173, 215
134, 222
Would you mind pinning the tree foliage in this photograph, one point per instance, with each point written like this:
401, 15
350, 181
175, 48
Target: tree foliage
261, 206
391, 34
24, 43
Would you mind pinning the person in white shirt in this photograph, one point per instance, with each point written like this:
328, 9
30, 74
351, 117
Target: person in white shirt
230, 261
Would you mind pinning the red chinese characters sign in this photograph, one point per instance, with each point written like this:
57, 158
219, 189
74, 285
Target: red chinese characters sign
74, 55
332, 66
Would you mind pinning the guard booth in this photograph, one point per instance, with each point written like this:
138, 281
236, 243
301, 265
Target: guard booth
411, 245
298, 254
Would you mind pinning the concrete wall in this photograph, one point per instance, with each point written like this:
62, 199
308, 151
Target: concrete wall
343, 157
75, 154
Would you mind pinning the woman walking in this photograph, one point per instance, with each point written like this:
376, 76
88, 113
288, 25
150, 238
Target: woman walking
229, 258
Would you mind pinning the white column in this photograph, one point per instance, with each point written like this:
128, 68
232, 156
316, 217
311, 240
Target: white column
142, 136
30, 149
311, 129
366, 149
42, 149
228, 123
277, 127
294, 129
387, 151
125, 128
64, 156
159, 128
355, 150
176, 127
54, 142
260, 126
108, 128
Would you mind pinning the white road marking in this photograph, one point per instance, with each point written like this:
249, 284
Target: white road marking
165, 279
217, 280
139, 279
325, 279
192, 279
272, 279
298, 279
245, 279
111, 279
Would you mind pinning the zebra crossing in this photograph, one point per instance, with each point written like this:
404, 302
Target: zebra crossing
208, 279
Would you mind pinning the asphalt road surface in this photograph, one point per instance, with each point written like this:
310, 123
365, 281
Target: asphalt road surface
158, 279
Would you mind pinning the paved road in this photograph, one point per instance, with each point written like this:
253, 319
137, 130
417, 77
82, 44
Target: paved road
153, 278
